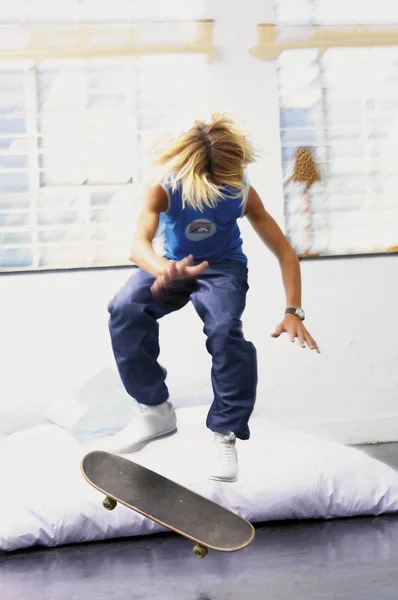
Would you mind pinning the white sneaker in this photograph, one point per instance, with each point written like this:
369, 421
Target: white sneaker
152, 423
224, 458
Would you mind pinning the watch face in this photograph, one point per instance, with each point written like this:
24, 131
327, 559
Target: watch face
300, 313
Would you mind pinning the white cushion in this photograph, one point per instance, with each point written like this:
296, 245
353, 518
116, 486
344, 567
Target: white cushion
284, 474
100, 406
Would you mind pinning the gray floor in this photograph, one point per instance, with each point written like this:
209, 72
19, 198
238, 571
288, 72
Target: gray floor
351, 559
387, 453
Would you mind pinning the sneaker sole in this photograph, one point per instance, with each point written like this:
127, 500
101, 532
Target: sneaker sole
214, 478
142, 445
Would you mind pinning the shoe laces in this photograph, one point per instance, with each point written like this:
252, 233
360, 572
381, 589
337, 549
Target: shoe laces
226, 448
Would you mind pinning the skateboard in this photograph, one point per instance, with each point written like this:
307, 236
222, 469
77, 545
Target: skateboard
167, 503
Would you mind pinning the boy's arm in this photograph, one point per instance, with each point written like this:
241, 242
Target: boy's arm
271, 234
142, 252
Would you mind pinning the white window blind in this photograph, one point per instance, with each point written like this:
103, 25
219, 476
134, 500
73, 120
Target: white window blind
343, 106
106, 11
74, 135
336, 12
74, 139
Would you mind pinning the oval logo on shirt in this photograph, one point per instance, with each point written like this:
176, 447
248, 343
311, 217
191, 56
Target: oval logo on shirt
200, 229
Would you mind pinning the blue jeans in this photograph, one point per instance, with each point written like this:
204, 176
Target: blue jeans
219, 298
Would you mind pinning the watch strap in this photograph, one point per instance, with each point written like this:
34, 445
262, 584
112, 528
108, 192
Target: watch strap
293, 311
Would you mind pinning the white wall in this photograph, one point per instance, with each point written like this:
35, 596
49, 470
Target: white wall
53, 327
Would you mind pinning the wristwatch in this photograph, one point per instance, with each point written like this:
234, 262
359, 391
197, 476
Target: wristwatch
298, 312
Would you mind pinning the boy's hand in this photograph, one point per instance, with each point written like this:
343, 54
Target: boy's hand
294, 327
174, 270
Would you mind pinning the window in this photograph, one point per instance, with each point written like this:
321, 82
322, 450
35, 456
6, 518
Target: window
105, 11
75, 134
343, 106
338, 12
74, 138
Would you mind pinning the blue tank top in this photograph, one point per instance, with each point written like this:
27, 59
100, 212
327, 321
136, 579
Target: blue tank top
212, 234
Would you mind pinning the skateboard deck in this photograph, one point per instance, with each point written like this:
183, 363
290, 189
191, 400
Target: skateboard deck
167, 503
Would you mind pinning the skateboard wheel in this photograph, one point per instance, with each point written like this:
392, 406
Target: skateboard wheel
200, 551
109, 503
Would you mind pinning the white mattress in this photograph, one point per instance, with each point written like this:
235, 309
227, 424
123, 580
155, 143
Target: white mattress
284, 474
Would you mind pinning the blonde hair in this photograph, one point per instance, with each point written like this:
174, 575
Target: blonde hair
206, 158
